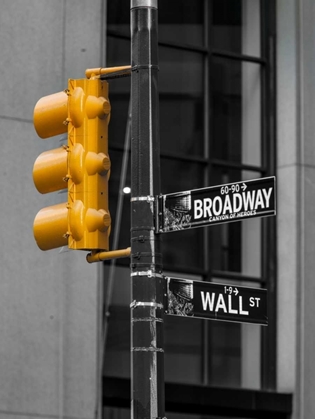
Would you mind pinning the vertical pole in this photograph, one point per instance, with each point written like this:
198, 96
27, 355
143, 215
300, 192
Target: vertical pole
147, 312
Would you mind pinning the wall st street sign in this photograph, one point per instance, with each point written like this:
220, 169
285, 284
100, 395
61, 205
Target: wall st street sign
220, 204
199, 299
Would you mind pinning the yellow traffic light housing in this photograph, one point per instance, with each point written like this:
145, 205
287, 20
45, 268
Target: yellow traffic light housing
82, 167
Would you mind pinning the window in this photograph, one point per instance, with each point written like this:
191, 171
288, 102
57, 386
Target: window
216, 126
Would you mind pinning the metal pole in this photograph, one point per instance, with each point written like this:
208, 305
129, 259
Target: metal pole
147, 312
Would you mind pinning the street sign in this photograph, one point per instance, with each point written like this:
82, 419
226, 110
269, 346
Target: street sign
220, 204
216, 301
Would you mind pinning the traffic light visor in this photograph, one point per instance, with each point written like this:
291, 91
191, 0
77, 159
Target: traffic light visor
50, 115
50, 171
51, 226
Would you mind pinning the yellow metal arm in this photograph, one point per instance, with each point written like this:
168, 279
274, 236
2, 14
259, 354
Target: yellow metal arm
108, 255
89, 73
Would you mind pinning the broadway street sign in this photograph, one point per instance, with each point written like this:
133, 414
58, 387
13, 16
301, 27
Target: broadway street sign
219, 204
216, 301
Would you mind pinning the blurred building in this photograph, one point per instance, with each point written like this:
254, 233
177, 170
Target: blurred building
237, 99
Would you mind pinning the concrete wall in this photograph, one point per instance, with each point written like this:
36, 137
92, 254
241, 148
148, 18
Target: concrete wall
49, 301
296, 199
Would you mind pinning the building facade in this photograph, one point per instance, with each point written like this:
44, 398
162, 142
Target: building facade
236, 103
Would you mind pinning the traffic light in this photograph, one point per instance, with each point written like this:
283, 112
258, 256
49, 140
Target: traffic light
82, 167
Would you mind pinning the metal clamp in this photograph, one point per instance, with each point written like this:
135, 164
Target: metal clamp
147, 198
145, 66
135, 304
143, 3
148, 273
147, 319
151, 348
